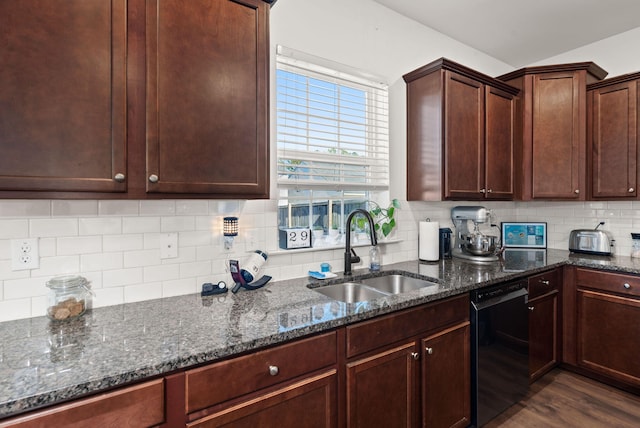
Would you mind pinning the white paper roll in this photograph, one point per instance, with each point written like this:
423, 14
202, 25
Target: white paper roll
428, 241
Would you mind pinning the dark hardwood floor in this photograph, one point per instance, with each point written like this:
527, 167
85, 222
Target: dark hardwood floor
565, 400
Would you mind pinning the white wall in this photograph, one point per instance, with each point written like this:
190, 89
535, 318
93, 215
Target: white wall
115, 244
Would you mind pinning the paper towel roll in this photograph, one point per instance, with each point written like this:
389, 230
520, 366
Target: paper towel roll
428, 241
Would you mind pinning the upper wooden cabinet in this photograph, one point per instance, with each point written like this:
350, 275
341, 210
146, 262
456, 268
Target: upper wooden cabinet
134, 99
207, 68
612, 149
552, 119
460, 134
63, 95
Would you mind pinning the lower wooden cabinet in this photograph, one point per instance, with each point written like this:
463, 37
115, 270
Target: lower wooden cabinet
446, 377
141, 405
607, 326
308, 403
414, 369
544, 322
381, 389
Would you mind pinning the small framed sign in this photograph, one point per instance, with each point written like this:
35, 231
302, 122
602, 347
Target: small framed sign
524, 235
295, 238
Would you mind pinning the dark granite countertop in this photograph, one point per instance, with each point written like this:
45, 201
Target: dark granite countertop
43, 362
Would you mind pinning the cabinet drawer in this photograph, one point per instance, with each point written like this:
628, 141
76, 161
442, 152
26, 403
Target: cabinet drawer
223, 381
388, 329
613, 282
544, 283
136, 406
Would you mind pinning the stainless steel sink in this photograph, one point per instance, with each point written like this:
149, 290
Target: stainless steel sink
396, 284
350, 292
373, 288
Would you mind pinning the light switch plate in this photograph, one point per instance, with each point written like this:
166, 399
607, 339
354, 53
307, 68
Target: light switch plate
168, 245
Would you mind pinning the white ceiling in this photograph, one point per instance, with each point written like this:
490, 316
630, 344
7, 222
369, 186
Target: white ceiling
520, 32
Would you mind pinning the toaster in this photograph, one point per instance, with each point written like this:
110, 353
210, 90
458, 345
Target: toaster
591, 241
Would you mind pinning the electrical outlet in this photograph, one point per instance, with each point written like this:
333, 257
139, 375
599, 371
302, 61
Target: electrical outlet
24, 254
168, 245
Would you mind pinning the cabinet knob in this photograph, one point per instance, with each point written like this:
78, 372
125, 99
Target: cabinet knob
429, 350
483, 190
531, 308
119, 177
577, 191
415, 355
631, 189
273, 370
544, 281
626, 285
153, 178
490, 191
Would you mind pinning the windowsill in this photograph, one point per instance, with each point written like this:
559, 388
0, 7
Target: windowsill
331, 247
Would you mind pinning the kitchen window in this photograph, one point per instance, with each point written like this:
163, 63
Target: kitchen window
332, 143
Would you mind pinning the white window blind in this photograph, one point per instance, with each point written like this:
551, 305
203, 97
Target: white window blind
332, 125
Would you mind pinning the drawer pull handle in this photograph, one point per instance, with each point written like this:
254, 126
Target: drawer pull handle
531, 308
544, 281
415, 355
274, 370
626, 285
429, 350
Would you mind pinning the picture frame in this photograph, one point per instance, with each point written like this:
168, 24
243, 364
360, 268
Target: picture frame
524, 234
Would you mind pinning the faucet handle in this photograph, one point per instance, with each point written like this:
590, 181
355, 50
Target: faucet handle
355, 258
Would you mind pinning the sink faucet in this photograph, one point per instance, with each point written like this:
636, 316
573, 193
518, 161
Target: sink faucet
348, 257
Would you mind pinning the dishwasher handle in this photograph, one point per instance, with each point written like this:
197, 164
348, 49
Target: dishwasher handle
500, 299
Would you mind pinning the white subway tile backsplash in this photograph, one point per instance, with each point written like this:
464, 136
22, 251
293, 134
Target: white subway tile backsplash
15, 309
179, 287
79, 245
53, 227
120, 277
161, 208
14, 229
101, 261
177, 224
118, 208
100, 226
58, 265
140, 224
161, 273
66, 208
25, 208
122, 242
141, 258
115, 243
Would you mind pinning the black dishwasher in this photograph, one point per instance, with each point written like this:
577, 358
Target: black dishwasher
499, 349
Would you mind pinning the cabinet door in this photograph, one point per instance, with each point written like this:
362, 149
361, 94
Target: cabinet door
140, 405
464, 138
499, 144
543, 334
63, 95
614, 141
381, 389
207, 86
559, 136
308, 403
608, 335
446, 378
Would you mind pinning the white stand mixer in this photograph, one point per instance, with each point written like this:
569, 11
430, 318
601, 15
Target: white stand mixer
472, 244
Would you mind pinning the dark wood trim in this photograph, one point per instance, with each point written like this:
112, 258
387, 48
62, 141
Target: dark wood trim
614, 80
591, 68
447, 64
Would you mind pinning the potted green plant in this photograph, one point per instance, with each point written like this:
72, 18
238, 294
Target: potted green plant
383, 218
